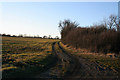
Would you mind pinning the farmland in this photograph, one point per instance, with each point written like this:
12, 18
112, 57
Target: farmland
60, 40
50, 58
25, 56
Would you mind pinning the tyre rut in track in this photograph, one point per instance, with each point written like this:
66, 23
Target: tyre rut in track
47, 73
74, 65
66, 64
81, 68
70, 66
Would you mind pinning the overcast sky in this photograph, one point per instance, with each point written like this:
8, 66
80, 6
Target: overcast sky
42, 18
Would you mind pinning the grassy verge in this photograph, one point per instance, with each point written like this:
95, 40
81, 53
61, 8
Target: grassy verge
103, 61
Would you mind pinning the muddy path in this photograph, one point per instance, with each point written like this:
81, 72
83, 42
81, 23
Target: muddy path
71, 67
65, 64
82, 68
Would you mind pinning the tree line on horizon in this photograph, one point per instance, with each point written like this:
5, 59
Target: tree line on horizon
21, 35
103, 37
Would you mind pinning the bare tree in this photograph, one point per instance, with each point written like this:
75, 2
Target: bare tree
117, 23
49, 37
20, 35
66, 26
56, 37
105, 22
112, 22
44, 36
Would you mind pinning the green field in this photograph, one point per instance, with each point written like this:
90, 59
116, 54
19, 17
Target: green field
22, 56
